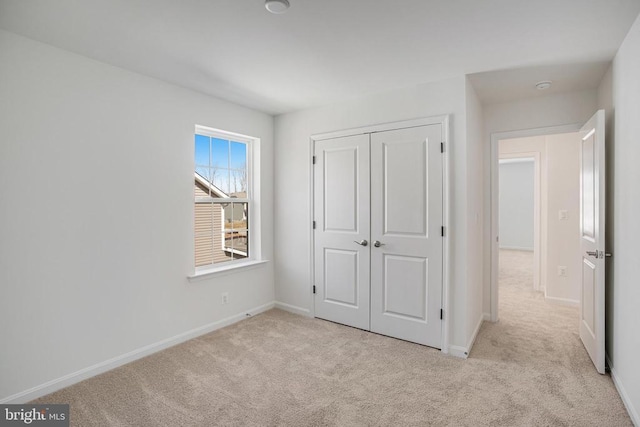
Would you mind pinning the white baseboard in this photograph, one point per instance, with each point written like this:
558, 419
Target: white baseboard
475, 333
293, 309
633, 414
562, 301
486, 317
458, 351
463, 352
516, 248
107, 365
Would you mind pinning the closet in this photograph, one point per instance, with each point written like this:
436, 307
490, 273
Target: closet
378, 230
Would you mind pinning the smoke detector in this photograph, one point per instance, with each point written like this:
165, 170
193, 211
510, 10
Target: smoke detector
277, 6
546, 84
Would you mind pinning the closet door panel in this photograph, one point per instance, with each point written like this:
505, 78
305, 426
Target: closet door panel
341, 213
406, 219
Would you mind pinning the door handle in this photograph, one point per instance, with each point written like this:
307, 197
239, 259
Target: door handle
593, 253
377, 243
361, 242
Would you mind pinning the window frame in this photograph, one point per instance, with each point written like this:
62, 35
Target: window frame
253, 229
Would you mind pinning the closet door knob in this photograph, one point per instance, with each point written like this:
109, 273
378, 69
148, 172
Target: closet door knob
361, 242
377, 243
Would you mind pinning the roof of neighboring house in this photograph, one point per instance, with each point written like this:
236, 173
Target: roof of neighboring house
206, 184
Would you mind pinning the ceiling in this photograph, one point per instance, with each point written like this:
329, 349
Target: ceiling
326, 51
519, 83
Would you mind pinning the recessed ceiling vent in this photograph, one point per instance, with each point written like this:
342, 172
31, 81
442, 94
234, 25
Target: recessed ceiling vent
546, 84
277, 6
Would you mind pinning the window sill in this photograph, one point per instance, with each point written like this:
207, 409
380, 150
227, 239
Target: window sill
224, 270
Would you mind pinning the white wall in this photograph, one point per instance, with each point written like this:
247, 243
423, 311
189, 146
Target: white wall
620, 93
293, 170
516, 204
548, 111
563, 241
96, 216
475, 215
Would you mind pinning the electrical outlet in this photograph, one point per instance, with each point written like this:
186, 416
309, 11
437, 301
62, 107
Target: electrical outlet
563, 215
225, 298
562, 270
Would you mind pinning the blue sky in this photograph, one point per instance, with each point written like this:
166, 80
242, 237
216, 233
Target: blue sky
220, 157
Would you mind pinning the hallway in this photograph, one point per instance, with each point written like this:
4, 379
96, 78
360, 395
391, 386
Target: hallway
542, 340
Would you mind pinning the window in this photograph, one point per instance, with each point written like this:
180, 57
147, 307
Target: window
222, 197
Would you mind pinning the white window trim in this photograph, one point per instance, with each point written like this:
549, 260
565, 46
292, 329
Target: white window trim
225, 269
253, 171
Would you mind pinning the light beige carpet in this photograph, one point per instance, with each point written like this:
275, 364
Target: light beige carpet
530, 369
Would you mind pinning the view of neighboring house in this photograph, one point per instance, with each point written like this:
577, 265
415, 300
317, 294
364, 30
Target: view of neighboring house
220, 228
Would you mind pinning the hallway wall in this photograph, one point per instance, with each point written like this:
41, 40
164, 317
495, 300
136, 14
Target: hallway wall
516, 207
619, 93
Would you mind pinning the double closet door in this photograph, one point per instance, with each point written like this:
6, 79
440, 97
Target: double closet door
378, 246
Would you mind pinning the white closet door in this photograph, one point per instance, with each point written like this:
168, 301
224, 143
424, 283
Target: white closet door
406, 220
341, 212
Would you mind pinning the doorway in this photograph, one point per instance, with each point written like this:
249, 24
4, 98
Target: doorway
552, 229
578, 278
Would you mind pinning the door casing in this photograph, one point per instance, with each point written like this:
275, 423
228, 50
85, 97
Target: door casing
446, 268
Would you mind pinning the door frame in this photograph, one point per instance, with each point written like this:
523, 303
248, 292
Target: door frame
442, 120
494, 195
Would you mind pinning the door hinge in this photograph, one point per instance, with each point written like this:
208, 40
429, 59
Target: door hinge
314, 289
313, 160
314, 225
441, 314
442, 147
442, 231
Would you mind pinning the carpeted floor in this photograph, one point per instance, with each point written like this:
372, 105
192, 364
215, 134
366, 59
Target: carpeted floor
529, 369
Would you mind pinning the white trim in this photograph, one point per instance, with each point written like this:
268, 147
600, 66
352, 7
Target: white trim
383, 127
486, 317
495, 154
509, 161
475, 333
446, 241
293, 309
442, 120
562, 301
312, 271
107, 365
227, 268
517, 248
458, 351
223, 134
628, 404
463, 352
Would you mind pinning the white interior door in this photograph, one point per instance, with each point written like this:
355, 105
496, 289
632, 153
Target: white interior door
592, 238
406, 222
342, 228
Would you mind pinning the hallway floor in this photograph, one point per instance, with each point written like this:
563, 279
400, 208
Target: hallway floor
542, 339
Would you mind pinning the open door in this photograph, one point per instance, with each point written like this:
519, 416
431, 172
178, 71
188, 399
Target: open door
592, 238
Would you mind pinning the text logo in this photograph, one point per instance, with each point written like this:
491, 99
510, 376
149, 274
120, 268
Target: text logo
34, 415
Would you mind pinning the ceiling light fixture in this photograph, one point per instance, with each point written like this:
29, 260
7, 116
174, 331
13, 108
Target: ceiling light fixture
546, 84
277, 6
